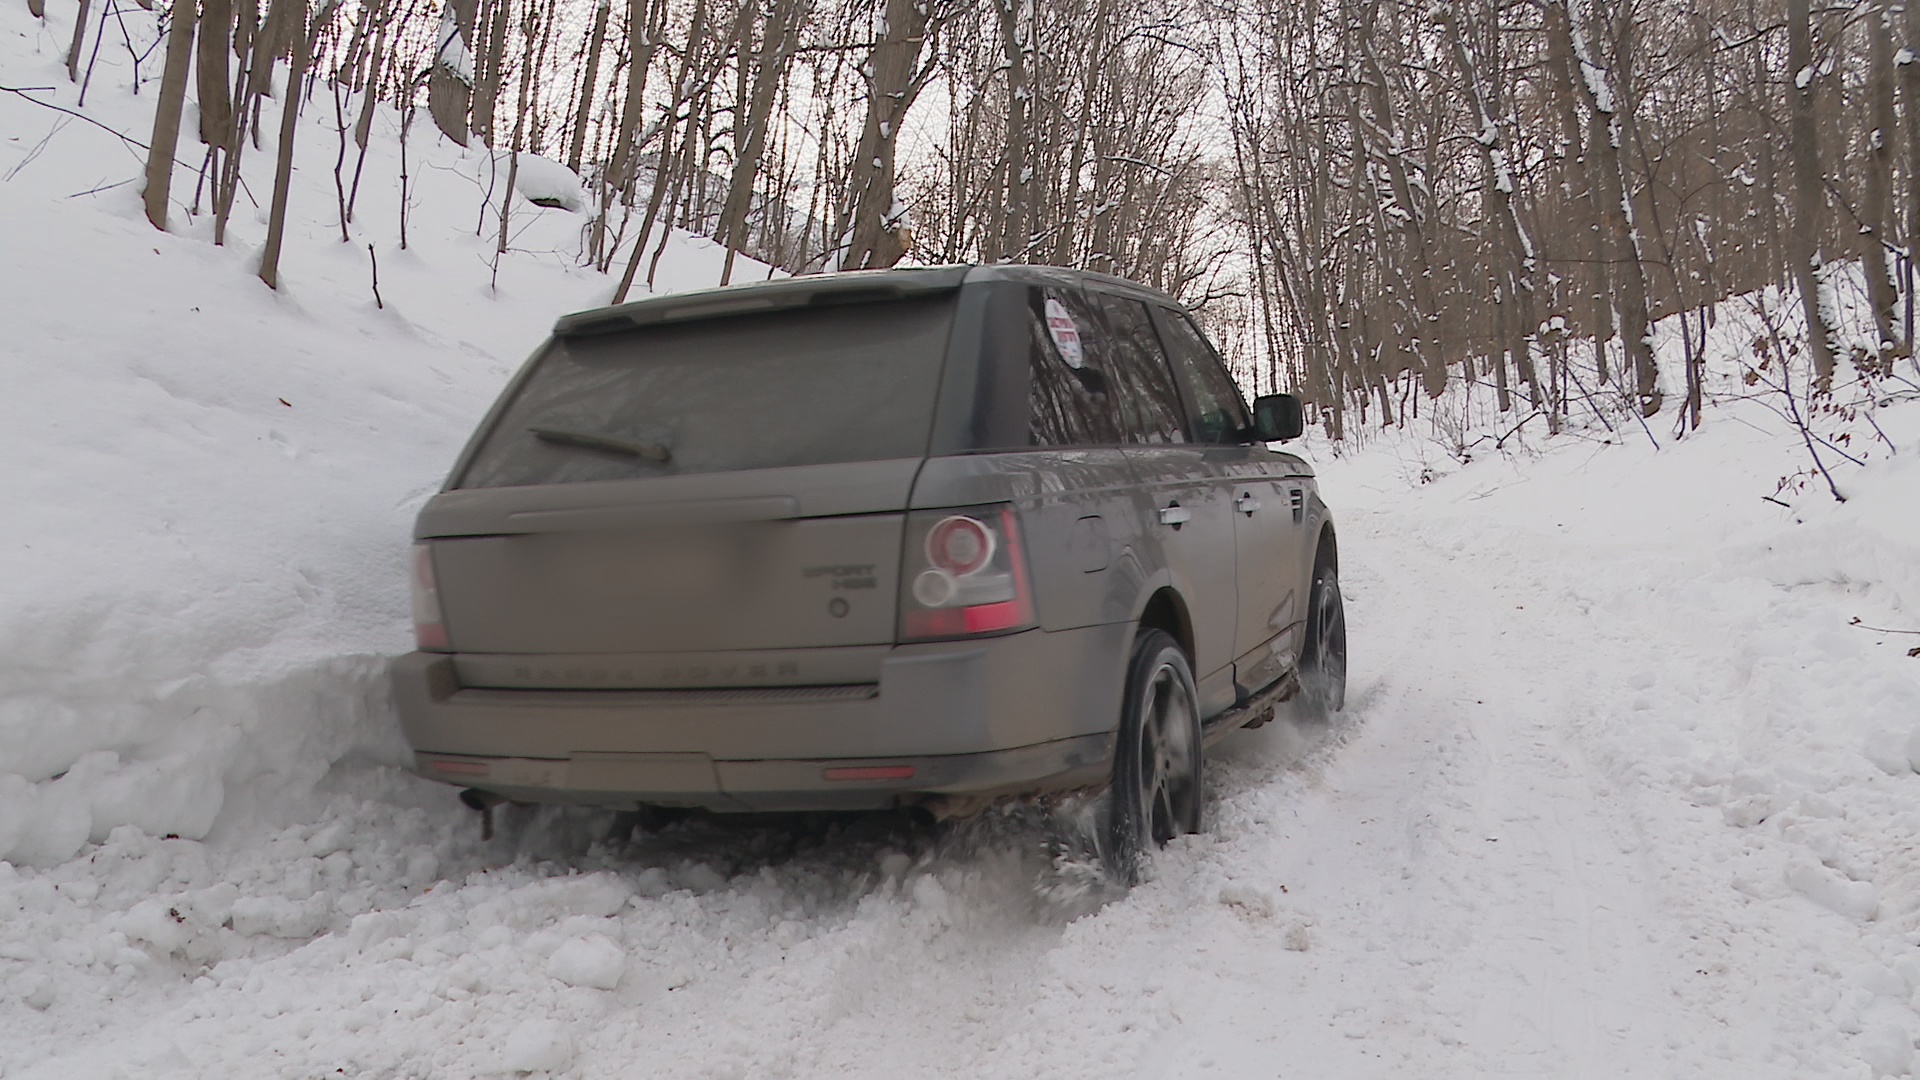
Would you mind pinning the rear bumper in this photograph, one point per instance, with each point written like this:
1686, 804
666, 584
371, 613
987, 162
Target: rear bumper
626, 780
1023, 713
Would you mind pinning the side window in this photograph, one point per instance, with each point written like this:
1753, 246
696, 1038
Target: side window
1150, 410
1217, 406
1074, 399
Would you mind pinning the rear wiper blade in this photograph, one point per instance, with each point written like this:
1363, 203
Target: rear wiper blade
612, 444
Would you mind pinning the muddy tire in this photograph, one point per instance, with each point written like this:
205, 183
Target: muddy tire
1158, 787
1323, 659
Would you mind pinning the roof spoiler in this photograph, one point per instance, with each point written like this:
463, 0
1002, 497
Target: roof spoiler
813, 291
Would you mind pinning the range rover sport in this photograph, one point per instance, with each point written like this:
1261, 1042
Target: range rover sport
894, 538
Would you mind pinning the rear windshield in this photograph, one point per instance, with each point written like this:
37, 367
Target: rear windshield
809, 386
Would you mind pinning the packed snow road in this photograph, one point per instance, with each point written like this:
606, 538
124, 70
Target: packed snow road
1589, 813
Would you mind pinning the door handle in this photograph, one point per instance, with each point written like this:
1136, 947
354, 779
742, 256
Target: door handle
1246, 503
1175, 515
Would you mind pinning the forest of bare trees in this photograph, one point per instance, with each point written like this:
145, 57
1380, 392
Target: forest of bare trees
1366, 199
1470, 189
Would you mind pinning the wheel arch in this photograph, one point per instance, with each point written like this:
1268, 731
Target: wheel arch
1166, 610
1327, 548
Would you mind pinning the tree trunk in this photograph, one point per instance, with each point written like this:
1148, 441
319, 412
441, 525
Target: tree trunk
450, 86
1808, 198
527, 67
1016, 41
79, 39
596, 41
490, 51
1910, 108
663, 173
289, 127
166, 113
363, 126
216, 108
777, 40
1419, 292
1566, 71
870, 224
1604, 139
644, 19
1517, 274
1877, 235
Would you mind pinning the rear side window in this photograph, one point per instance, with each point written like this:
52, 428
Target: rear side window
810, 386
1150, 410
1073, 396
1099, 377
1220, 413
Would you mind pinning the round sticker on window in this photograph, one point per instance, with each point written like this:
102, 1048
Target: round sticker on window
1066, 336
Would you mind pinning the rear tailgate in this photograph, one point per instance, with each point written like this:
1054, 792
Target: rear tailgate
770, 559
710, 481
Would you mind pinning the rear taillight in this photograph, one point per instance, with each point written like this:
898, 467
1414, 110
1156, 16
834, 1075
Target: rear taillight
429, 629
964, 574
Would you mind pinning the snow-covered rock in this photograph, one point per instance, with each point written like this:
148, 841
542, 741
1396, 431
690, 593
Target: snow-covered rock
547, 182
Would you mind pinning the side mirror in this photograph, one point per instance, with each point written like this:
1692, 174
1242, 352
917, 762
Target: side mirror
1277, 418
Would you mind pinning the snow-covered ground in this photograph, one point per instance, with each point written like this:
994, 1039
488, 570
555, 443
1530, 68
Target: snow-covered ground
1623, 788
207, 483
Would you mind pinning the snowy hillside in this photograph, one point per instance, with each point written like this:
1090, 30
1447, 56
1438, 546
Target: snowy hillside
210, 484
1626, 785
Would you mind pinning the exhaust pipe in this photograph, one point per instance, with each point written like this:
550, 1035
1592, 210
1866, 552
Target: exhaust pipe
482, 803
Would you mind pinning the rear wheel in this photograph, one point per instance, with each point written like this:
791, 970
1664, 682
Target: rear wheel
1157, 785
1323, 659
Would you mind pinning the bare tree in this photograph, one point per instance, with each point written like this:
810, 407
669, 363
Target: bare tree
79, 39
166, 113
779, 35
302, 54
1606, 173
1877, 232
1808, 194
871, 220
596, 41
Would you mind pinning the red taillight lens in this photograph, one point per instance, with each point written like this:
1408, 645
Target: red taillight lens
429, 628
969, 577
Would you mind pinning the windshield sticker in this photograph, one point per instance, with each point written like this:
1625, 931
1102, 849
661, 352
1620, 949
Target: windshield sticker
1066, 336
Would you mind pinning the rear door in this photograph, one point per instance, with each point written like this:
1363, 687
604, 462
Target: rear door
1185, 507
1083, 485
1269, 535
693, 489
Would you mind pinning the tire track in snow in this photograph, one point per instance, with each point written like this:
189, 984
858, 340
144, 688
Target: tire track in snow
1457, 860
1471, 874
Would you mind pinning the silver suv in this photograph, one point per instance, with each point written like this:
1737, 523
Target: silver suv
914, 538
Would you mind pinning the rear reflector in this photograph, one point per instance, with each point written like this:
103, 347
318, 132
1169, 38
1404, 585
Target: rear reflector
459, 768
869, 772
985, 618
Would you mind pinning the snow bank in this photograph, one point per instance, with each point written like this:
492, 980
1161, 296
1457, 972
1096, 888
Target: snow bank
210, 484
